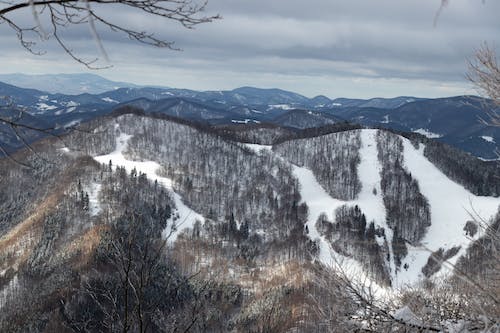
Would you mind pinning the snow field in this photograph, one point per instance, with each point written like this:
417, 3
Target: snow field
186, 216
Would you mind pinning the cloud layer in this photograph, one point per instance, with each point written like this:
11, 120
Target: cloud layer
353, 48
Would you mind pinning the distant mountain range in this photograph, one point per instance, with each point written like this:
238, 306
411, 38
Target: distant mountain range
459, 121
71, 84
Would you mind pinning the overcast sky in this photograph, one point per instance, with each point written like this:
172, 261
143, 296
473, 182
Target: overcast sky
338, 48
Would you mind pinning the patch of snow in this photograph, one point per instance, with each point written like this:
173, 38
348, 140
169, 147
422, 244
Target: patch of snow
406, 315
489, 159
65, 150
71, 104
336, 104
258, 148
488, 139
427, 133
43, 98
94, 205
451, 207
8, 291
280, 106
459, 326
70, 109
246, 121
167, 93
45, 107
109, 100
256, 111
386, 119
73, 123
186, 216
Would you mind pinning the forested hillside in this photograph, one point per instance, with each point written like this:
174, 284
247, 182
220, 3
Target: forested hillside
142, 224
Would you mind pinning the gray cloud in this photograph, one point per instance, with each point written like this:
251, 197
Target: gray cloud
354, 48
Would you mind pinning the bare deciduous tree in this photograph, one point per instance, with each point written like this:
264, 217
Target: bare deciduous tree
484, 73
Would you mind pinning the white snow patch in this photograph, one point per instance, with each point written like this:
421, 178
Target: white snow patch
43, 98
280, 106
73, 123
8, 291
406, 315
71, 104
109, 100
451, 207
45, 107
246, 121
428, 133
258, 148
336, 104
386, 119
186, 216
94, 205
488, 138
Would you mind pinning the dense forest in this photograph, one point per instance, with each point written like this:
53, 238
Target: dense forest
333, 158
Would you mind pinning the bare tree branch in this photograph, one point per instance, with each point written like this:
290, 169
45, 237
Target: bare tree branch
61, 14
484, 73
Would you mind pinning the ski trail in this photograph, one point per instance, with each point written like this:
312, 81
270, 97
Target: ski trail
187, 216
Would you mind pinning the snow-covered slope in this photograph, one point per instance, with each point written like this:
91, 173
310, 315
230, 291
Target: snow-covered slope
451, 206
184, 217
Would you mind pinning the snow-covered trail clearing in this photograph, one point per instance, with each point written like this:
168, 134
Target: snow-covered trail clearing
370, 200
186, 216
450, 203
451, 207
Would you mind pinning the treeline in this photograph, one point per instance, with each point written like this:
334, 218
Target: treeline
333, 158
353, 236
408, 212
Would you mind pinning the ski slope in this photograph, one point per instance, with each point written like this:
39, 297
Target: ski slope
186, 216
451, 206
